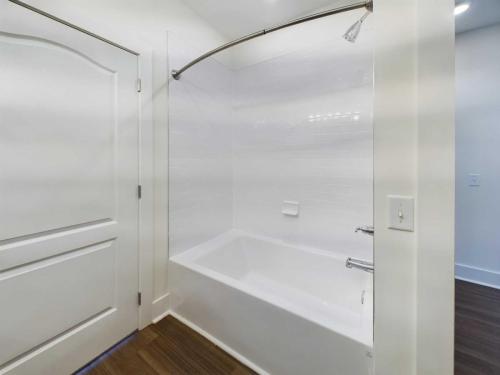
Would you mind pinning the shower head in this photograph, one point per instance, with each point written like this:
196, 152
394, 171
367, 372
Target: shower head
352, 32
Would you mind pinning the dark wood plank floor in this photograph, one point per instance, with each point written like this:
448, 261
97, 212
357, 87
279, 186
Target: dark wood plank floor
168, 347
477, 329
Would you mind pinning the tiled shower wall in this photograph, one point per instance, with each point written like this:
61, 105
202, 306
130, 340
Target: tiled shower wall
303, 133
200, 157
294, 128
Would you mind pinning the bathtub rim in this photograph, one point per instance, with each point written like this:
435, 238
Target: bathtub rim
199, 250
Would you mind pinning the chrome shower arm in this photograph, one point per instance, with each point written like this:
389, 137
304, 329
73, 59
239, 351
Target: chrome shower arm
176, 73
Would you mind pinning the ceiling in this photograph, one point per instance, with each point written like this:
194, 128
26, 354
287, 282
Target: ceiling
235, 18
480, 14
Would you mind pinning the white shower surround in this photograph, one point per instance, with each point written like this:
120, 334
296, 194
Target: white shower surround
241, 143
244, 141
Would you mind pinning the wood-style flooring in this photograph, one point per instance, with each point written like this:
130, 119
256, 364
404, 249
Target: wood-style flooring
477, 329
168, 347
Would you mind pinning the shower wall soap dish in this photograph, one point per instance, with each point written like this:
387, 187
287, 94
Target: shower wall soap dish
290, 208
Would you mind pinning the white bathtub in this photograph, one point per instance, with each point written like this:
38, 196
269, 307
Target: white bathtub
278, 308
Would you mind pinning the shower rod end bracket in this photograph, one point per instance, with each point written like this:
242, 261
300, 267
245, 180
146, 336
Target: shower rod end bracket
176, 75
369, 5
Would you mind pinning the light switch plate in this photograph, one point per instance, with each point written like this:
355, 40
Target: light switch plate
401, 212
474, 179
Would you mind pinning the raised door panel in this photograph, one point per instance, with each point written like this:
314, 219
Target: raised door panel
48, 298
57, 168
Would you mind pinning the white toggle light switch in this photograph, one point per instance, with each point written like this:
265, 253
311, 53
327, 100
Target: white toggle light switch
401, 212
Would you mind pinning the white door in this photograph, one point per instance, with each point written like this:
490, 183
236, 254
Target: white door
68, 194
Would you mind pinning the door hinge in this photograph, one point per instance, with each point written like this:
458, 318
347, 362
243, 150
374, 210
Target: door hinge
139, 191
139, 85
139, 298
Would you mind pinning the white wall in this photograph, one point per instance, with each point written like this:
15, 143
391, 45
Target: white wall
200, 150
477, 141
142, 26
436, 188
395, 172
303, 132
414, 155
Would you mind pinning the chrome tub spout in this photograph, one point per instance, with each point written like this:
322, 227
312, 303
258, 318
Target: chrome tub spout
359, 264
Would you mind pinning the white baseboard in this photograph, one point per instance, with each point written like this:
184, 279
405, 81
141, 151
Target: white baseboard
477, 275
220, 344
161, 307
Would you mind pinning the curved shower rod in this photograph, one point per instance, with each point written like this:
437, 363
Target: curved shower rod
368, 4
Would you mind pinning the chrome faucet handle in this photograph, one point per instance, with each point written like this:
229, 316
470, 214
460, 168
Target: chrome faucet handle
368, 229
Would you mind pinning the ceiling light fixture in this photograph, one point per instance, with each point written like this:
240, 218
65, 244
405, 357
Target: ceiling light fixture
461, 8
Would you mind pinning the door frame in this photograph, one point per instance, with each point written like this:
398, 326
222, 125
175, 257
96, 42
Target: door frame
145, 171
